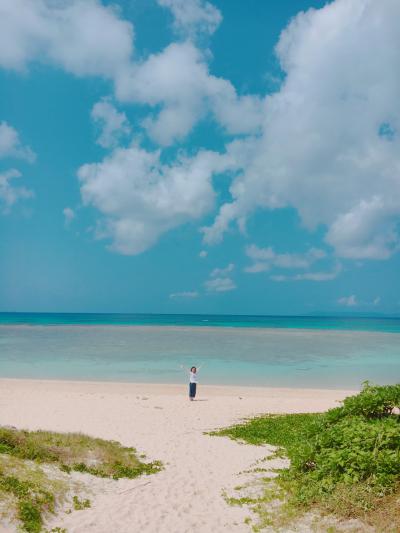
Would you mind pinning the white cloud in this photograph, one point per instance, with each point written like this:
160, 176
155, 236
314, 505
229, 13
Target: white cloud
220, 281
376, 300
322, 149
348, 301
257, 267
9, 193
310, 276
69, 215
178, 80
203, 254
11, 146
326, 143
220, 285
368, 231
82, 36
266, 258
184, 294
218, 272
141, 198
113, 124
193, 16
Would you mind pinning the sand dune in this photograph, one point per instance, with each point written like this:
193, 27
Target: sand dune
160, 422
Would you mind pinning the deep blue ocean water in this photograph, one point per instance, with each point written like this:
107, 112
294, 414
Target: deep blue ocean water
316, 352
384, 324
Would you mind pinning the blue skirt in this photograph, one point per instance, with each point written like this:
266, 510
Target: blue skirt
192, 390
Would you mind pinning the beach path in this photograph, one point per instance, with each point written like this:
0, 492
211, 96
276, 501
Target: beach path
159, 421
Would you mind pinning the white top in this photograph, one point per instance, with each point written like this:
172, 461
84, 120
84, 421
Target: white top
193, 377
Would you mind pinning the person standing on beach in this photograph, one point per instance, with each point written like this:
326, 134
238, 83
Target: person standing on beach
193, 380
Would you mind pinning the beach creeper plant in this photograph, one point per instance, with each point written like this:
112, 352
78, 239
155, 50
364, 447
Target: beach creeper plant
345, 461
33, 493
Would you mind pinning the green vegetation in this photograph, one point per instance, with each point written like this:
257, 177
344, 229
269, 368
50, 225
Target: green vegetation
27, 492
346, 461
80, 505
31, 490
75, 451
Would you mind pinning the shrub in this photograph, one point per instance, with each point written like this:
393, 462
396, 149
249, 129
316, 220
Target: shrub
373, 401
346, 461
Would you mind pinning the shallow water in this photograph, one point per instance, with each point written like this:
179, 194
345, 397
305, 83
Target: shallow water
246, 356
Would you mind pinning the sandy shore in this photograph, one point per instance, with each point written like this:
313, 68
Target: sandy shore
160, 422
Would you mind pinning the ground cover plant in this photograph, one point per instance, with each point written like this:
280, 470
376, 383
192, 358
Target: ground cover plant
345, 461
31, 491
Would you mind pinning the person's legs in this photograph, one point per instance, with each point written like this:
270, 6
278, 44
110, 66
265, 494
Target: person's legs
192, 391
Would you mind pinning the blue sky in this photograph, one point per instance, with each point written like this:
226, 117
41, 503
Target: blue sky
184, 156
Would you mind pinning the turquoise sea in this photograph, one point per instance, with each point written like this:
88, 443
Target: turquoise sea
384, 324
325, 352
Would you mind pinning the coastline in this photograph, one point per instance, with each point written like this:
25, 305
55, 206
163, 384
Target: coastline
173, 389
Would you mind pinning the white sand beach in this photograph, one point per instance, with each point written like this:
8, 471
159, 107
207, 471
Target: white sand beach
160, 422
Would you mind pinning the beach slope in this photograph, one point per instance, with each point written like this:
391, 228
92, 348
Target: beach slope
160, 422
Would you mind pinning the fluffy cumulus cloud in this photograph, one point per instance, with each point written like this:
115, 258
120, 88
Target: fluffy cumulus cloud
140, 198
193, 17
113, 124
10, 193
175, 85
369, 230
11, 146
82, 36
330, 143
178, 80
326, 143
175, 82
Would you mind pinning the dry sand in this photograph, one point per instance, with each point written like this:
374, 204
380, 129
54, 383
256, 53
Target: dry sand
160, 422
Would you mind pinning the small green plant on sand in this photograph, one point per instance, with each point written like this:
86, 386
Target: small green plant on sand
345, 461
80, 505
31, 501
27, 491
